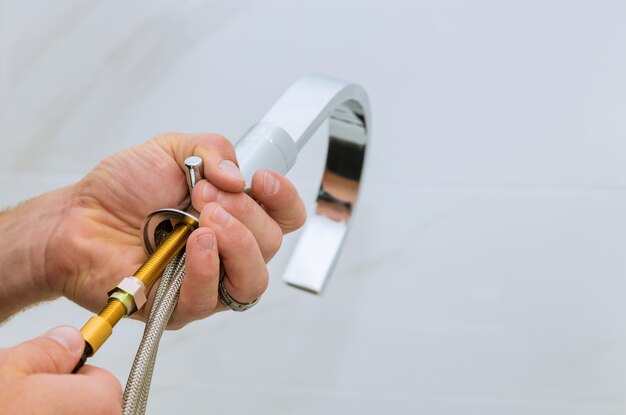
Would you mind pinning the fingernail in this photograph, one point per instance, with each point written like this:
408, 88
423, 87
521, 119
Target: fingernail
68, 337
207, 241
209, 193
270, 184
231, 169
220, 215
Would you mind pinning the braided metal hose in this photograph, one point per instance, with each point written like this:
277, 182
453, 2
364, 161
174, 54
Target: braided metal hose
140, 377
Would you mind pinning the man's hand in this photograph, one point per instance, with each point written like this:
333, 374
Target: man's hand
86, 237
35, 378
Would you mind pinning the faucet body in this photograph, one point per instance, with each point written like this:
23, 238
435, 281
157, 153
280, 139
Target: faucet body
274, 143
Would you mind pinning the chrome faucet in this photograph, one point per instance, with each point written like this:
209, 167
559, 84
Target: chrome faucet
274, 144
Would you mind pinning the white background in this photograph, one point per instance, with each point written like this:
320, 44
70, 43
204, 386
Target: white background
486, 269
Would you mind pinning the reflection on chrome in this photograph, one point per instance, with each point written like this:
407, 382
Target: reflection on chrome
297, 115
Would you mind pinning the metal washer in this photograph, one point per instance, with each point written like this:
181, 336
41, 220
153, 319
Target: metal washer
156, 218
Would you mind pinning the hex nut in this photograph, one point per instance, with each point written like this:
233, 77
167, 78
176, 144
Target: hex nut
133, 287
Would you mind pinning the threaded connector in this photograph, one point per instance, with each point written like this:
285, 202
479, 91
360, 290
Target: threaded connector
124, 301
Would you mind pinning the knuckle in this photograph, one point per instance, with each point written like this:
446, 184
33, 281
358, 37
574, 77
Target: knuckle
296, 221
46, 349
163, 136
196, 310
166, 137
206, 213
249, 290
219, 141
301, 218
248, 241
176, 325
261, 284
238, 205
275, 240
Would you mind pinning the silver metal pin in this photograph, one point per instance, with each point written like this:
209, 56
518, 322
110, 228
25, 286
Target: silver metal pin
194, 171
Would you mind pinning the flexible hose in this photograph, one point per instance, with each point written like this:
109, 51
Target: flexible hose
140, 377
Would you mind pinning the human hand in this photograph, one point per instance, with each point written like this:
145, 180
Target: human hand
96, 242
35, 378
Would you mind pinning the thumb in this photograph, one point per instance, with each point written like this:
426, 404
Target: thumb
57, 351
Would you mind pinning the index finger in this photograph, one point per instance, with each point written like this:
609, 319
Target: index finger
218, 154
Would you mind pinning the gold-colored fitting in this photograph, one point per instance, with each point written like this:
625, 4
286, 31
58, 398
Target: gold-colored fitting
98, 328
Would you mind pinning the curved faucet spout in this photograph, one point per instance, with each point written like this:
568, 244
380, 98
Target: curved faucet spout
275, 142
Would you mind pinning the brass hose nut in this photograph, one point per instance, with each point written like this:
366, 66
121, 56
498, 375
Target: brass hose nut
131, 292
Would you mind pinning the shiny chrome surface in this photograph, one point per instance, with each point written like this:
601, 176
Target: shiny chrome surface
194, 171
274, 143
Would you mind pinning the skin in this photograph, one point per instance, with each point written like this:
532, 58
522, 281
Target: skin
35, 378
81, 240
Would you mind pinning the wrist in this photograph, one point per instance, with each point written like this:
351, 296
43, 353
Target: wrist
28, 259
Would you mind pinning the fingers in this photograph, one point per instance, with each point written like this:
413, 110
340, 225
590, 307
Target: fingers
56, 352
280, 199
246, 276
198, 295
218, 154
281, 210
91, 391
247, 234
102, 378
35, 378
266, 231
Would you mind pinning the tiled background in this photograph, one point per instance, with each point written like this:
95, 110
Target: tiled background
486, 271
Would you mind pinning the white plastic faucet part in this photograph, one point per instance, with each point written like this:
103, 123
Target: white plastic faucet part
274, 144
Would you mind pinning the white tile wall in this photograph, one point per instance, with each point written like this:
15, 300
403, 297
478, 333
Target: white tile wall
486, 271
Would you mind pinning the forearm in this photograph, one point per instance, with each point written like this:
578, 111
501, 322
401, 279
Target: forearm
25, 256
